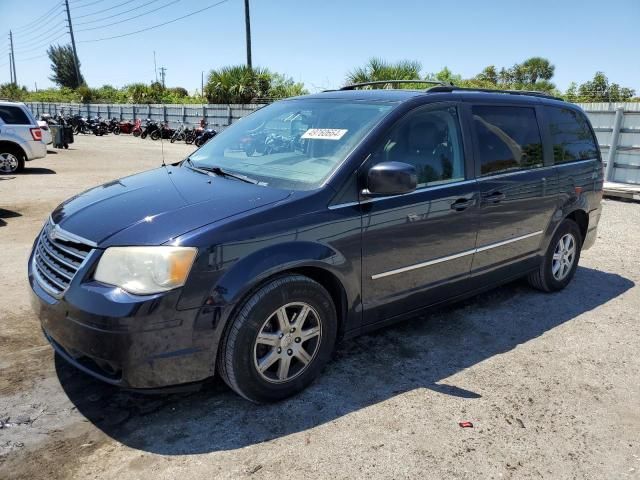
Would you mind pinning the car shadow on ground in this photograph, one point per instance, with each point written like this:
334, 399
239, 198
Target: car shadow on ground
420, 353
37, 171
4, 213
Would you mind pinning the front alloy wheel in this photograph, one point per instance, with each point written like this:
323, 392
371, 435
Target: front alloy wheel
288, 342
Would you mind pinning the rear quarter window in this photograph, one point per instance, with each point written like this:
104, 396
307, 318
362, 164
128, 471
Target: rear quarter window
570, 134
12, 115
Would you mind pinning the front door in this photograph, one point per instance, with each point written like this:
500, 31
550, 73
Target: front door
418, 247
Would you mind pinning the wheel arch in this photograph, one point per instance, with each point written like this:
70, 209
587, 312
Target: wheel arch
317, 261
14, 146
582, 219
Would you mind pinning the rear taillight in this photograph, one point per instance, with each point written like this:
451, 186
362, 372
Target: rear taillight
36, 133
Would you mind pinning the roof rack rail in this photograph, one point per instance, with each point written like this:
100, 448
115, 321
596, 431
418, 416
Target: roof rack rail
452, 88
355, 86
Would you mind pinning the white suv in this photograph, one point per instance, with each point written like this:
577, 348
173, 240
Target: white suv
20, 137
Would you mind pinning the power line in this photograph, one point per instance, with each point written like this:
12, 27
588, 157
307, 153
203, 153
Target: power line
37, 20
130, 18
155, 26
46, 43
39, 38
89, 4
117, 14
100, 11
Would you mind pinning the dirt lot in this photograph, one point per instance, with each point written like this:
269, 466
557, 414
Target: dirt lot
550, 382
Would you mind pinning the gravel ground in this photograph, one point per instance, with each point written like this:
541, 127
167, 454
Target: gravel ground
550, 382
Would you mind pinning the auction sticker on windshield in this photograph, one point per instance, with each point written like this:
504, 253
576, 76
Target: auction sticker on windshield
324, 133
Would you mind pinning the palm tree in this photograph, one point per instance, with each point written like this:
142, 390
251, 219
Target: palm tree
237, 84
537, 68
377, 69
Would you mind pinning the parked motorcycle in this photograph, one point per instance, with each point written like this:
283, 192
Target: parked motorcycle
205, 136
98, 126
179, 134
163, 131
113, 126
137, 128
149, 127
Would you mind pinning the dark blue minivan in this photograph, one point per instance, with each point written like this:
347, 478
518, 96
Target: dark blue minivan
313, 219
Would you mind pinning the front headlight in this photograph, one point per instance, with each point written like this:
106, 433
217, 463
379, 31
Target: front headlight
145, 270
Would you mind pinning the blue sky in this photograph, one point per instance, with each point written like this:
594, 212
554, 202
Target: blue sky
319, 42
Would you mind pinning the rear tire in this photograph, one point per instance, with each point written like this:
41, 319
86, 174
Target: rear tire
560, 260
11, 160
270, 352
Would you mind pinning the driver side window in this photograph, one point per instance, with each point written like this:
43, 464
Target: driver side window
430, 140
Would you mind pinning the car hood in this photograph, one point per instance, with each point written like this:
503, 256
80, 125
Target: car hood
153, 207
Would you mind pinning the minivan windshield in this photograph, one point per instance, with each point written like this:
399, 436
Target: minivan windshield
292, 144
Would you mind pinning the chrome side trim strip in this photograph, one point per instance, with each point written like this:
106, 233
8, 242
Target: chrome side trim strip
454, 256
423, 264
511, 240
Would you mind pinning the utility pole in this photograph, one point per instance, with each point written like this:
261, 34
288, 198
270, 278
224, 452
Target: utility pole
247, 23
202, 84
155, 67
163, 73
10, 68
14, 77
73, 43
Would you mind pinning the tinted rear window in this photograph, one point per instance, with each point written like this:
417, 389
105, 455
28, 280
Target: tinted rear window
14, 115
570, 134
508, 138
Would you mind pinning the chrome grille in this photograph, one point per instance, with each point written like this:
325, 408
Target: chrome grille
57, 258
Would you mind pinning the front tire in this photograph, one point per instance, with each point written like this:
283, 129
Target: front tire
560, 260
279, 340
155, 135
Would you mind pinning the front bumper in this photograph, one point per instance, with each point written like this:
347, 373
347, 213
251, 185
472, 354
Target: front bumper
141, 342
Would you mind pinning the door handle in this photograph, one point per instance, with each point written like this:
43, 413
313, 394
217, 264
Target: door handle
462, 204
495, 197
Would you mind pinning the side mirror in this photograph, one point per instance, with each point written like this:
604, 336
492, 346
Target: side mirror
391, 178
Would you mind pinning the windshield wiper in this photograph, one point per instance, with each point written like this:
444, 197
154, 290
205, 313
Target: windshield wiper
225, 173
219, 171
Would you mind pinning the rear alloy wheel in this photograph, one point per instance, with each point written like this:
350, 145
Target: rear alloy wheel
561, 259
10, 162
279, 340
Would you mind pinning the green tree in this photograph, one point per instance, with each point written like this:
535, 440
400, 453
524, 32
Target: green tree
377, 69
445, 75
63, 67
600, 90
489, 75
11, 91
283, 87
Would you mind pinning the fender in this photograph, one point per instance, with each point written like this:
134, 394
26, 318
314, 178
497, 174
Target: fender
255, 268
573, 204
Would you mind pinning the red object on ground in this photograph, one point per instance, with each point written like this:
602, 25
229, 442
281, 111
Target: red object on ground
466, 424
